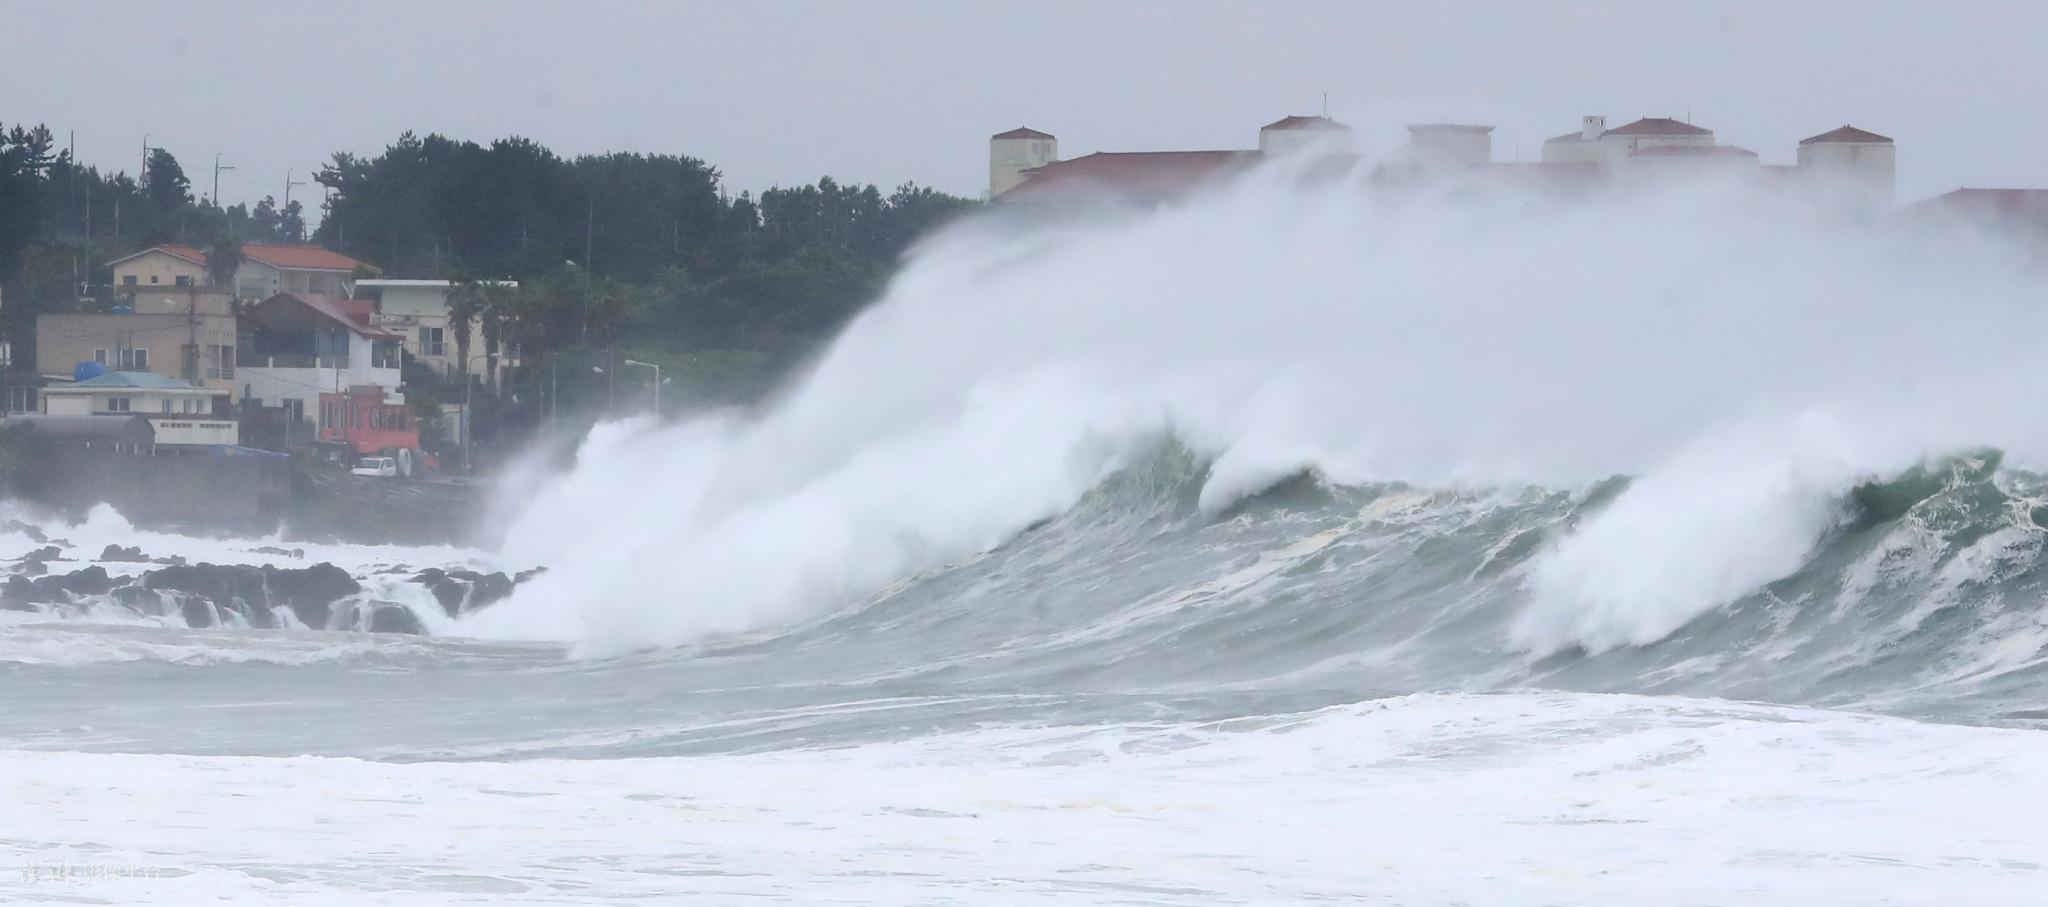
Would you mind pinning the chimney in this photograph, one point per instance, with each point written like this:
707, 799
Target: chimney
1591, 127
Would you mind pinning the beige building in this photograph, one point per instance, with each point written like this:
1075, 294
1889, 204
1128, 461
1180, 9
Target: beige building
181, 414
266, 269
418, 311
197, 344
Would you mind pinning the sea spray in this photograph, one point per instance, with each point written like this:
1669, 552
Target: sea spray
1441, 338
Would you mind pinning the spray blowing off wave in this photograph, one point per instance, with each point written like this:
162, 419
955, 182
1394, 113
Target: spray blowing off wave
1746, 362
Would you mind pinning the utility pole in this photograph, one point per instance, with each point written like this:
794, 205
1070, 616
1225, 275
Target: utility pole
217, 168
117, 217
288, 184
143, 181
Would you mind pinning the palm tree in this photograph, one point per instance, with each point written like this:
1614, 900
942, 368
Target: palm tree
223, 259
465, 300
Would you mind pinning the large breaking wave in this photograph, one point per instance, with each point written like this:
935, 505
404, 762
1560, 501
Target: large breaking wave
1746, 362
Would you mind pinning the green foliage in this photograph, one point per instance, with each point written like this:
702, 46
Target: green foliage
611, 252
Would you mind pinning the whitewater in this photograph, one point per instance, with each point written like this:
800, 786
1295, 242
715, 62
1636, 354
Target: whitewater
1321, 538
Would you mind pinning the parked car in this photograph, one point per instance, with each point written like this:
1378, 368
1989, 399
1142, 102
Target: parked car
377, 467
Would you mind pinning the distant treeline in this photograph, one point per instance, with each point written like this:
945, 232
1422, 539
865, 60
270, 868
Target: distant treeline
645, 254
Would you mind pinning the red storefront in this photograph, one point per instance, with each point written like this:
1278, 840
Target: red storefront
362, 420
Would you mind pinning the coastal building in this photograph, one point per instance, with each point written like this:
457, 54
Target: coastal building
368, 419
266, 268
187, 337
1024, 164
180, 415
419, 312
296, 346
1852, 164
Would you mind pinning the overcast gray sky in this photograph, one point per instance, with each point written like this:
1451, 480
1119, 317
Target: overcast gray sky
883, 91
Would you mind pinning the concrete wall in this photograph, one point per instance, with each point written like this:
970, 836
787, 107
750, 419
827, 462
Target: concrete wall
195, 490
157, 268
63, 341
1863, 174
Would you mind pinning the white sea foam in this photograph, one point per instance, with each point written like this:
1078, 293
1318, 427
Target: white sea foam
1478, 340
1502, 799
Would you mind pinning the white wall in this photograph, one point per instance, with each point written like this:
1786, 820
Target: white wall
270, 386
1009, 158
1288, 141
1864, 173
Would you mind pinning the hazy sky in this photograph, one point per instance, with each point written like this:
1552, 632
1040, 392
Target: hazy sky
879, 91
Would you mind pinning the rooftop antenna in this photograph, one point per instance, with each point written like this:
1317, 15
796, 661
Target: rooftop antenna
1326, 105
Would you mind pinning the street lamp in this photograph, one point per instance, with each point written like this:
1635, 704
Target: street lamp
657, 380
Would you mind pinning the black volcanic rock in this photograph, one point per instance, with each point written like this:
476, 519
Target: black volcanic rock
92, 580
128, 555
31, 568
310, 591
389, 617
45, 553
462, 591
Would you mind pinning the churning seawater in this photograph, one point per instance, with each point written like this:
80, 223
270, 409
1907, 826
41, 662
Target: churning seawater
1292, 545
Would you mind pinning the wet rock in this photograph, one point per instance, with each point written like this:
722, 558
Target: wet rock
138, 599
198, 611
120, 555
31, 568
310, 591
34, 533
280, 552
446, 589
524, 575
172, 561
389, 617
45, 553
213, 582
19, 594
462, 591
92, 580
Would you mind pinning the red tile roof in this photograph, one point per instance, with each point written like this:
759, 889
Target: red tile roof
297, 257
309, 258
2000, 207
353, 314
1694, 151
1129, 176
1658, 126
1303, 123
1021, 132
1848, 135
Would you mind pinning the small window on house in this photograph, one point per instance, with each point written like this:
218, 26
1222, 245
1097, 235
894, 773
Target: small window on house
99, 356
154, 278
167, 406
117, 404
134, 360
184, 280
128, 280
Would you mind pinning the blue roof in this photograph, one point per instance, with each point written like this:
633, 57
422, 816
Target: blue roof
136, 379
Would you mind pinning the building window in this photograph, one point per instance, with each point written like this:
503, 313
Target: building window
184, 280
153, 278
117, 404
21, 399
432, 342
100, 356
134, 360
221, 361
294, 410
127, 280
167, 406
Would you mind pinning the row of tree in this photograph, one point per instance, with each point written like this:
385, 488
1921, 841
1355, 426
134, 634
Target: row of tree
644, 252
